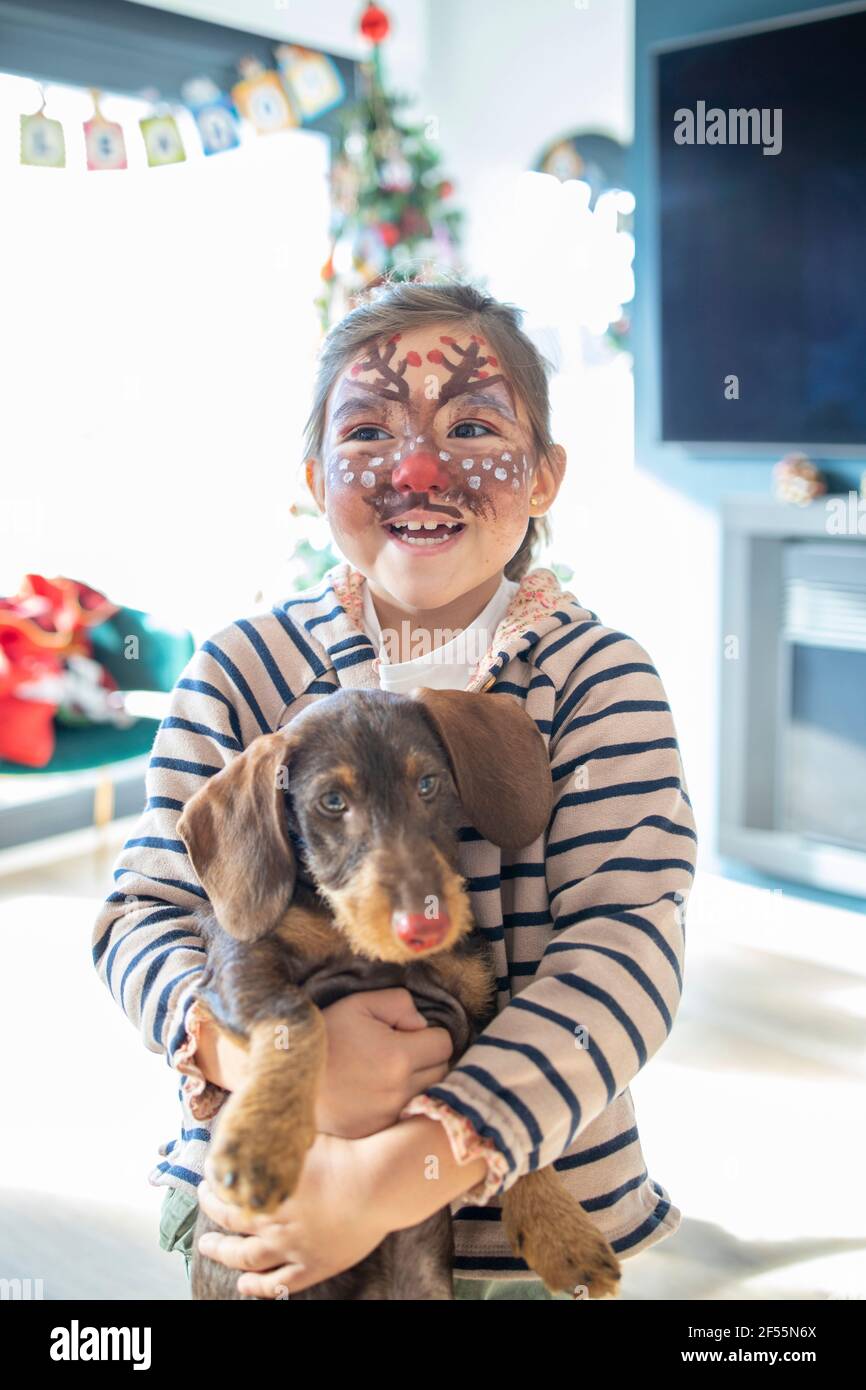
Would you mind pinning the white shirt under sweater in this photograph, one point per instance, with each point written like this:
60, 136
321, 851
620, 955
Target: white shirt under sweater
446, 667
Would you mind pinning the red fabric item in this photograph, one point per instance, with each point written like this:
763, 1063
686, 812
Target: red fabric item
40, 627
26, 731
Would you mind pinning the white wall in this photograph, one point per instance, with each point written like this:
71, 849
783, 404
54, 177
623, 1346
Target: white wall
505, 78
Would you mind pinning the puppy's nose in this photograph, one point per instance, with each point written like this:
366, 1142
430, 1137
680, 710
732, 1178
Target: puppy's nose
420, 471
418, 932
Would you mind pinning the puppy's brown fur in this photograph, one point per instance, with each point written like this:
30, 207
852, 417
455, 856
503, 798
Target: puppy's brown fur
364, 793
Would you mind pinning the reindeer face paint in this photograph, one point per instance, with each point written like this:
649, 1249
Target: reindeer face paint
428, 461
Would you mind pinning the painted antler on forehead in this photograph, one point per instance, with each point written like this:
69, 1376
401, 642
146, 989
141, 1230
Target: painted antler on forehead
463, 372
393, 386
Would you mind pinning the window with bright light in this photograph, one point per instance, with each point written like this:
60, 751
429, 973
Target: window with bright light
156, 360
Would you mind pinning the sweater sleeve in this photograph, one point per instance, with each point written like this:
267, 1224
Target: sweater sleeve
146, 947
620, 855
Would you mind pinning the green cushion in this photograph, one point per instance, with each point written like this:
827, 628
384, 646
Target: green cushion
138, 653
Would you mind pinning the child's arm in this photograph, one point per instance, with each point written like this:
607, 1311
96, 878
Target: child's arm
146, 947
619, 863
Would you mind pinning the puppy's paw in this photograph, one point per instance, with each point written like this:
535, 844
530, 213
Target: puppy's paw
256, 1163
565, 1250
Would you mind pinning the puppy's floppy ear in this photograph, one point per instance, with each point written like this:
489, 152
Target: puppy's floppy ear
236, 834
499, 761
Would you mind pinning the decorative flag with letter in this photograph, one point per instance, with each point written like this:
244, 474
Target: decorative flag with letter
313, 81
261, 98
103, 140
42, 141
215, 115
162, 140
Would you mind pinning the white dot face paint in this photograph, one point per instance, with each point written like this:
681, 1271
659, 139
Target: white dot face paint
344, 463
444, 457
368, 479
374, 463
487, 463
506, 458
347, 477
501, 474
515, 484
467, 463
475, 481
397, 457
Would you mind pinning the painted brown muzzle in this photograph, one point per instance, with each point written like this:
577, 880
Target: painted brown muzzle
375, 787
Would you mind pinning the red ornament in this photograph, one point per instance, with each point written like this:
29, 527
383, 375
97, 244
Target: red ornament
375, 24
434, 355
414, 359
445, 189
389, 233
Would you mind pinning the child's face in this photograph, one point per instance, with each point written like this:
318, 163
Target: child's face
428, 465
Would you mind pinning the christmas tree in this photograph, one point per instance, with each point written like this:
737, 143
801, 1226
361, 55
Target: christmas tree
390, 214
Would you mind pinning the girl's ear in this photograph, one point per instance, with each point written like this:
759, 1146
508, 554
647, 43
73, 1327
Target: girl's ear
547, 480
315, 481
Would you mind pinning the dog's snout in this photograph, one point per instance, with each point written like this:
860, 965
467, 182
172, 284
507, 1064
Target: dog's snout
420, 932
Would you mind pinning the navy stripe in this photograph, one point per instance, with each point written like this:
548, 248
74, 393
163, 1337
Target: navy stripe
307, 598
156, 842
347, 642
602, 837
627, 865
182, 765
488, 884
480, 1125
266, 657
355, 658
569, 1026
598, 1151
306, 651
580, 721
239, 681
611, 674
167, 913
168, 882
613, 750
185, 1174
619, 789
162, 1005
205, 688
169, 803
522, 871
172, 721
520, 1108
328, 617
164, 940
610, 1199
643, 1230
494, 1262
568, 637
628, 963
582, 986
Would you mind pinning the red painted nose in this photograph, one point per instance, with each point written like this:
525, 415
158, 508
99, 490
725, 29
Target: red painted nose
418, 932
420, 471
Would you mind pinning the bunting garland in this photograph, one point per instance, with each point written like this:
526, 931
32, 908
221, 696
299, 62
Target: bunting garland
302, 86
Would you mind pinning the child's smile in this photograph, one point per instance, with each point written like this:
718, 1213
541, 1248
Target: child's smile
427, 464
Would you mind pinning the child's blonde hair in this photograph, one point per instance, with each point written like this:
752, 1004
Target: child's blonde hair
400, 307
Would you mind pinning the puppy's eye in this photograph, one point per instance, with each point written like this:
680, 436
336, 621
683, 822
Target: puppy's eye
427, 785
333, 803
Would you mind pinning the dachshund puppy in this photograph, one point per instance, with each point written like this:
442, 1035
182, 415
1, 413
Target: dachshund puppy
364, 793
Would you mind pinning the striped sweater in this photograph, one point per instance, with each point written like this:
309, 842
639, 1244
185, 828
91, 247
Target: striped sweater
587, 925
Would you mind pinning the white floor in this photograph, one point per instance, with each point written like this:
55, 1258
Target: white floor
752, 1115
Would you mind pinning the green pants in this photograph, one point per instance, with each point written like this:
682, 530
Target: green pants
177, 1223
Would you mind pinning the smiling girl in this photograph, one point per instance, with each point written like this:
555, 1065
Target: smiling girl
429, 450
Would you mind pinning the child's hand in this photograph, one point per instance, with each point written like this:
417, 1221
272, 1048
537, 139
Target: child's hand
328, 1225
381, 1053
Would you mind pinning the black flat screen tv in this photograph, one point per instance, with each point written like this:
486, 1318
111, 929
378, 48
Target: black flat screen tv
763, 254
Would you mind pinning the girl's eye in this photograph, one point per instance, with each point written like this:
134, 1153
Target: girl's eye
427, 785
367, 433
470, 425
333, 803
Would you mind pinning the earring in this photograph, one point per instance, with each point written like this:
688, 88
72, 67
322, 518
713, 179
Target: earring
533, 501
